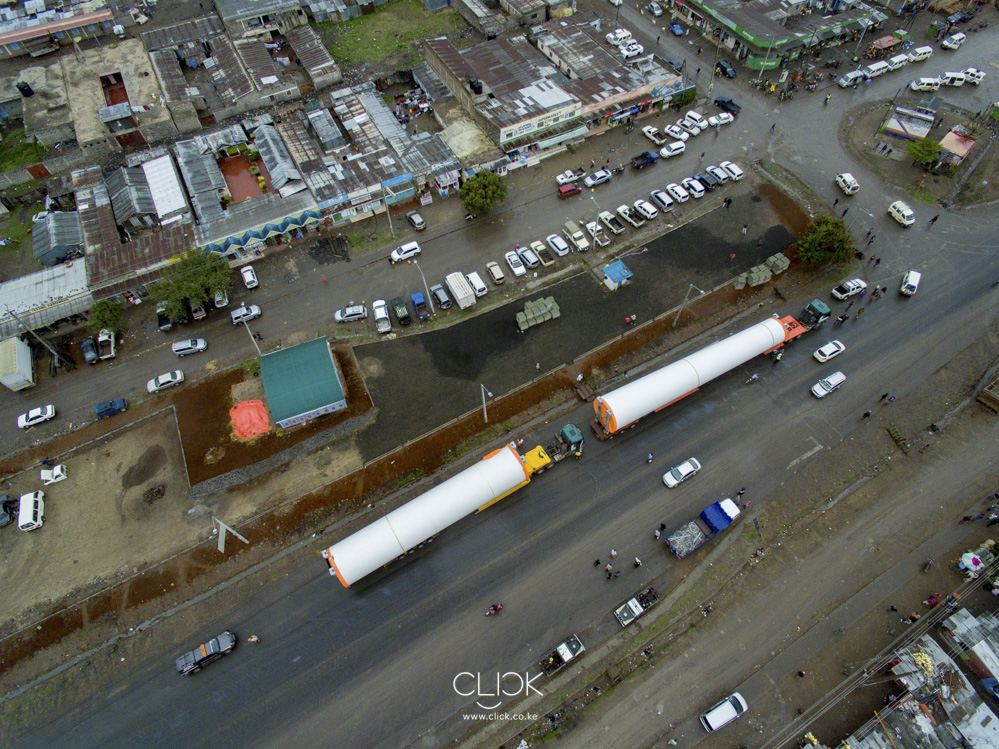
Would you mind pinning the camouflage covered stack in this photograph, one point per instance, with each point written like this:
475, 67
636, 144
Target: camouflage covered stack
537, 312
760, 274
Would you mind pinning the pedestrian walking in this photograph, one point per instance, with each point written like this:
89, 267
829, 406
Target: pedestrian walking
884, 396
801, 674
731, 258
877, 262
617, 573
596, 562
871, 240
657, 533
869, 232
609, 574
759, 244
47, 462
740, 492
613, 553
773, 127
848, 307
537, 366
934, 219
698, 51
324, 279
608, 163
843, 214
638, 562
860, 311
662, 527
745, 228
608, 568
980, 516
835, 202
657, 39
967, 519
701, 157
697, 72
891, 399
892, 608
592, 163
867, 414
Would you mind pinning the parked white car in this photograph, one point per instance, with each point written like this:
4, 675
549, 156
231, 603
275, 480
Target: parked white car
35, 416
515, 263
734, 172
677, 193
722, 118
693, 186
645, 208
558, 245
383, 323
673, 149
676, 132
249, 277
677, 475
954, 40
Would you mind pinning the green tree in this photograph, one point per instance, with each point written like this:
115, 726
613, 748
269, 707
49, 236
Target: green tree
480, 193
106, 313
924, 151
825, 240
192, 282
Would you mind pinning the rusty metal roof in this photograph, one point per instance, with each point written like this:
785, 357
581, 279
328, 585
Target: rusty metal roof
308, 47
194, 30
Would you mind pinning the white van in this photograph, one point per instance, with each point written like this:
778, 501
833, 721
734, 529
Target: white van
974, 76
898, 61
619, 37
920, 53
910, 283
476, 283
953, 79
31, 511
724, 712
925, 84
851, 79
696, 118
875, 69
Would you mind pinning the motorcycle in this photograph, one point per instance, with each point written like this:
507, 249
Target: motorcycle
617, 170
494, 609
469, 216
929, 563
811, 86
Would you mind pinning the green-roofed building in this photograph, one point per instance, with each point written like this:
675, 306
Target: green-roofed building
302, 383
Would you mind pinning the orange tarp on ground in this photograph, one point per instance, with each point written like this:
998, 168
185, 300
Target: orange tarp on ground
249, 419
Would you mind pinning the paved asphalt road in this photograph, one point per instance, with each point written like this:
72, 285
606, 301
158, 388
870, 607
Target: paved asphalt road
372, 666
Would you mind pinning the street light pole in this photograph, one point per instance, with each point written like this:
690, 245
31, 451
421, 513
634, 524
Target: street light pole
485, 393
684, 303
430, 300
252, 339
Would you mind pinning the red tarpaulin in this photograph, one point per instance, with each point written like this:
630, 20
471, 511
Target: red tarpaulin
249, 419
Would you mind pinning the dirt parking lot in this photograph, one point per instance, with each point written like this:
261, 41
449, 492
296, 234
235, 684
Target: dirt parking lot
123, 504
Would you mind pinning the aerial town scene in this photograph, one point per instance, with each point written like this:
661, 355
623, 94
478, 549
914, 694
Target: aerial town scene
303, 302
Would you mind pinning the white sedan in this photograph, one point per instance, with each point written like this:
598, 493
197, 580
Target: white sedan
165, 381
722, 118
681, 473
676, 132
830, 350
35, 416
249, 277
515, 263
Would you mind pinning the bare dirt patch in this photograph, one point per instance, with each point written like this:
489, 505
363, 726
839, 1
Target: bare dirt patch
209, 443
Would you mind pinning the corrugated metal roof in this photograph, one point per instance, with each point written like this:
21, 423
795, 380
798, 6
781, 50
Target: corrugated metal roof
203, 178
326, 130
54, 236
42, 298
164, 184
235, 10
194, 30
115, 112
172, 81
231, 82
314, 56
130, 195
281, 167
267, 75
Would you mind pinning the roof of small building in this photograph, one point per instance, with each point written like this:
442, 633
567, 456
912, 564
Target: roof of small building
236, 10
55, 235
164, 185
130, 195
311, 51
203, 178
300, 380
276, 158
41, 298
617, 272
193, 30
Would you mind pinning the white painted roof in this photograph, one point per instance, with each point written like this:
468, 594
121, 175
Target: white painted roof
164, 184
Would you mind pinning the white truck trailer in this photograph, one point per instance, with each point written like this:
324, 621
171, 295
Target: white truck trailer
15, 364
460, 289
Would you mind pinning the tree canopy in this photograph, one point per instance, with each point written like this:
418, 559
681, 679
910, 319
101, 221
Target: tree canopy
480, 193
924, 151
825, 240
191, 282
106, 313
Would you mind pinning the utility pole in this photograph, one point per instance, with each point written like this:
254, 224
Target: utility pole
45, 343
683, 304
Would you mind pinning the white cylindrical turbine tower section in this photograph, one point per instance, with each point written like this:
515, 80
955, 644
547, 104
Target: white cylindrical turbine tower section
626, 405
379, 543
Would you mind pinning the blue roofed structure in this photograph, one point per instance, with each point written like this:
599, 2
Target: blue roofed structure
616, 275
